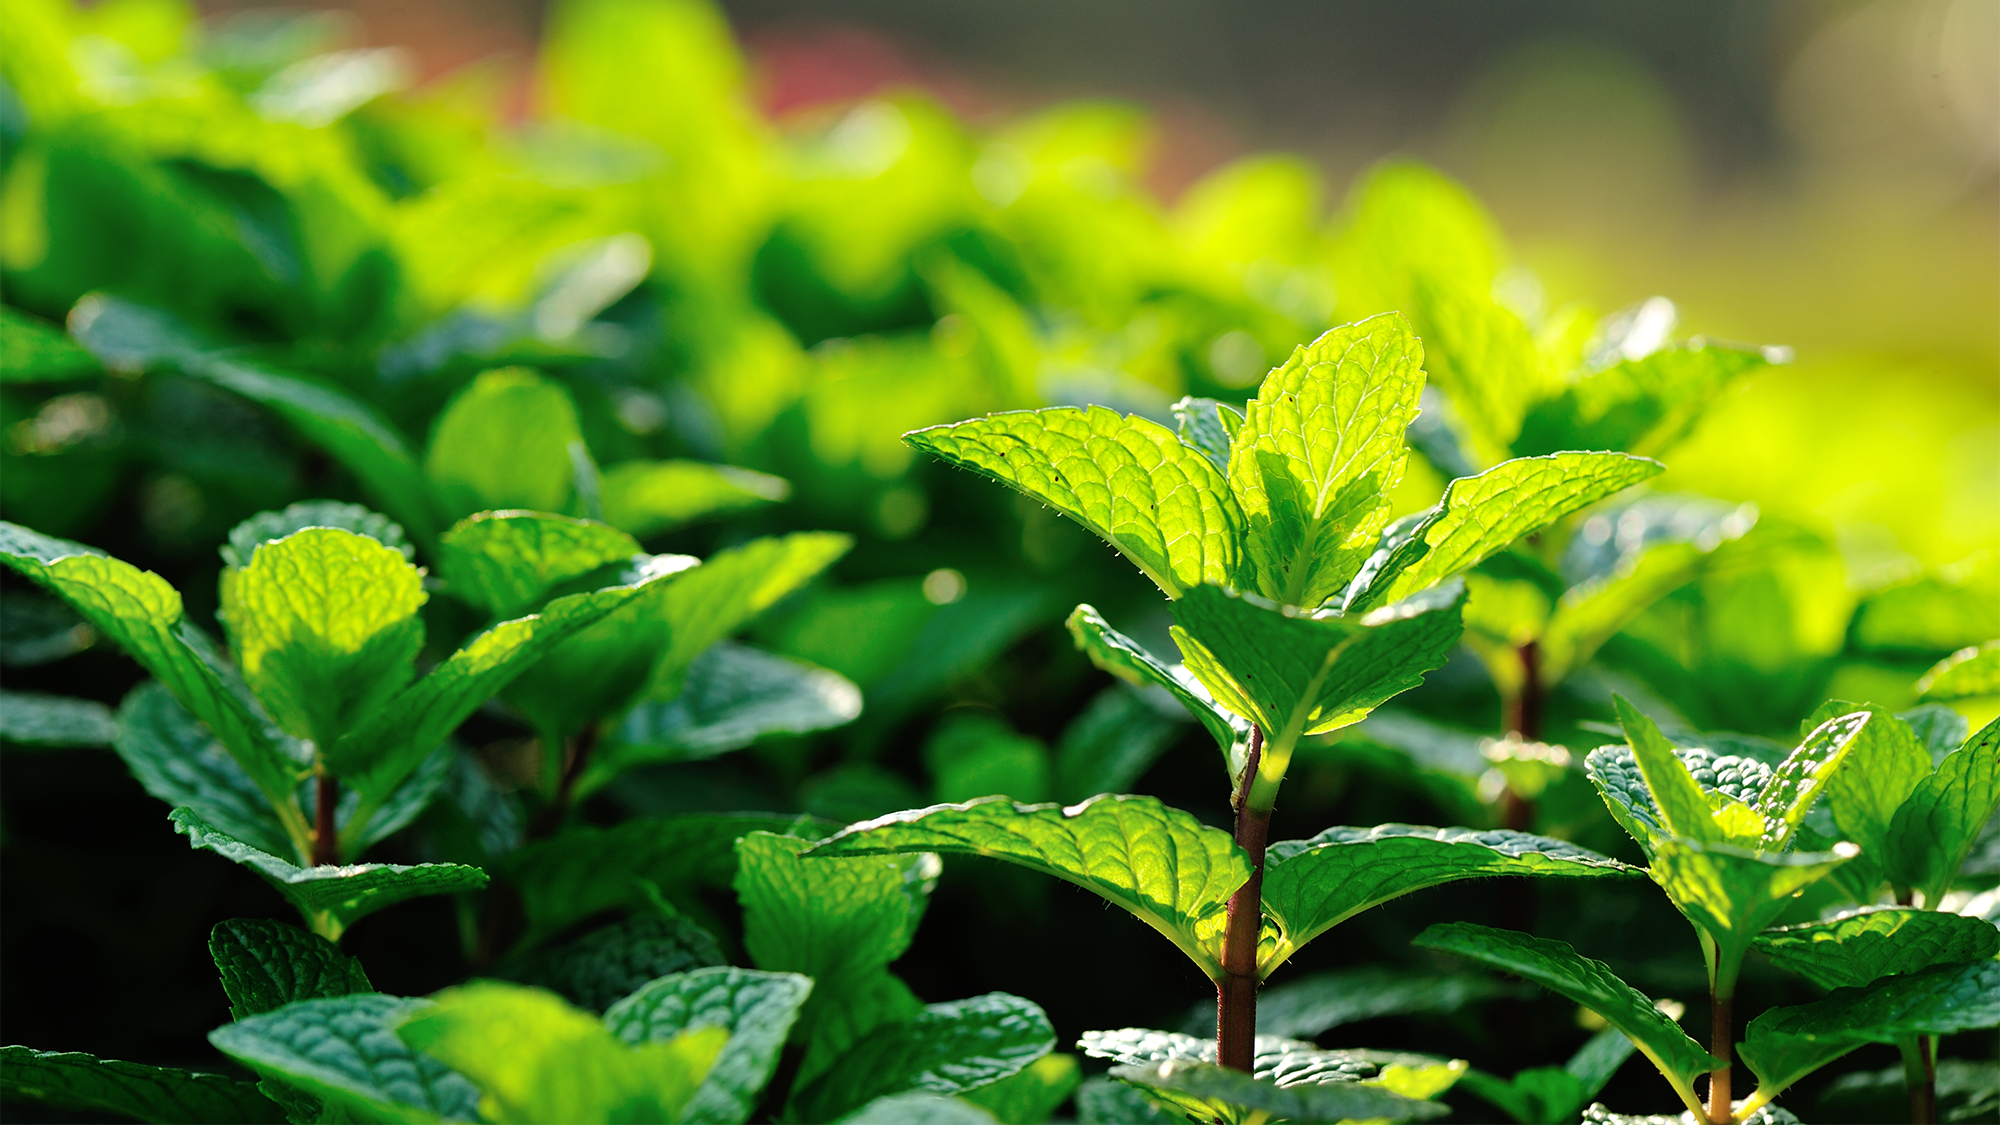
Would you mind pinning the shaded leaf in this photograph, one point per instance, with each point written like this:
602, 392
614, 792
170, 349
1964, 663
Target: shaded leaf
344, 1050
54, 721
177, 760
1123, 657
609, 963
1935, 828
34, 351
945, 1049
918, 1109
1884, 767
1031, 1095
1784, 1045
756, 1008
266, 965
1112, 744
165, 1095
1860, 948
1307, 1007
1106, 1101
644, 497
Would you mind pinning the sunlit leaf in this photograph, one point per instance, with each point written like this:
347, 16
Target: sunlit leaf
1966, 674
756, 1008
1858, 949
1935, 828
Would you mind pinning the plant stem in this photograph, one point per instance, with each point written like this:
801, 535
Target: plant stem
1236, 992
1920, 1076
326, 837
575, 753
1720, 1111
1524, 711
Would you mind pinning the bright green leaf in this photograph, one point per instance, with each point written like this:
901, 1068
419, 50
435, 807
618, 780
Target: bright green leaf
1320, 448
1202, 427
1310, 886
1885, 766
1031, 1095
506, 562
1120, 655
1643, 405
164, 1095
266, 965
54, 721
1328, 1101
731, 589
1480, 354
1677, 799
1968, 673
504, 442
1858, 949
756, 1008
35, 351
644, 497
333, 897
1130, 480
344, 1050
1732, 893
266, 527
945, 1049
1935, 828
1160, 863
1804, 773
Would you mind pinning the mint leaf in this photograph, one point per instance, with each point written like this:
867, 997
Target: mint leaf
756, 1008
1310, 886
54, 721
1105, 1101
1643, 405
1031, 1095
1329, 1101
176, 759
1677, 799
733, 695
645, 497
1935, 828
1319, 450
1481, 515
1483, 357
1732, 893
266, 527
1804, 773
1559, 968
1120, 655
1205, 426
1968, 673
1130, 480
165, 1095
918, 1109
1308, 1007
504, 442
536, 1058
1858, 949
586, 870
1885, 765
266, 965
1784, 1045
609, 963
1173, 872
332, 898
730, 589
506, 562
1114, 742
945, 1049
34, 351
344, 1050
324, 625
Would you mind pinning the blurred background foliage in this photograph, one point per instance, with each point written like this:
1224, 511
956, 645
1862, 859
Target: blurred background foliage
728, 256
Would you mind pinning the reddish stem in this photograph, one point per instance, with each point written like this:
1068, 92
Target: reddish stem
1236, 992
326, 836
1720, 1109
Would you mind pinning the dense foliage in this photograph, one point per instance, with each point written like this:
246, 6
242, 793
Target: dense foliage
534, 552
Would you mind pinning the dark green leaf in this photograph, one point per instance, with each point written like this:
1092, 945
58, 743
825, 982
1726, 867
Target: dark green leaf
1313, 885
945, 1049
177, 760
54, 721
644, 497
730, 589
1677, 798
611, 962
756, 1008
266, 965
1159, 501
1121, 656
1968, 673
506, 562
1307, 1007
1031, 1095
1105, 1101
73, 1080
344, 1050
1173, 872
1328, 1101
1860, 948
918, 1109
1935, 828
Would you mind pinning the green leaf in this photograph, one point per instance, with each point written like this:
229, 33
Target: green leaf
1885, 766
945, 1049
1677, 799
507, 562
1643, 405
54, 721
1105, 1101
1319, 450
1969, 673
1804, 773
536, 1059
1287, 1063
324, 625
1329, 1101
1203, 427
756, 1008
1858, 949
1483, 357
1114, 741
1031, 1095
918, 1109
344, 1050
1120, 655
266, 527
165, 1095
1308, 1007
143, 614
730, 590
177, 760
266, 965
1935, 828
1298, 675
1170, 870
505, 442
1732, 893
645, 497
586, 870
609, 963
733, 696
1938, 728
1481, 515
1130, 480
1559, 968
331, 897
1784, 1045
1310, 886
34, 351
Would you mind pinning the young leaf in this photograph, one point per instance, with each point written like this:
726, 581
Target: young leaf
1310, 886
536, 1059
1173, 872
611, 962
506, 562
1966, 674
1479, 516
1732, 893
325, 627
266, 965
504, 442
177, 760
1205, 426
1319, 450
1327, 1101
1130, 480
164, 1095
332, 898
730, 589
1883, 768
644, 497
1935, 828
1557, 967
54, 721
1483, 357
1799, 779
344, 1050
756, 1008
1121, 656
267, 527
1784, 1045
1858, 949
1676, 797
945, 1049
1642, 405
